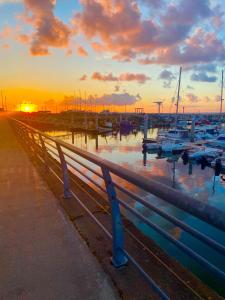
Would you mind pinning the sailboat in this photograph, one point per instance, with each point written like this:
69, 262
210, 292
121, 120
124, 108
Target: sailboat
175, 133
171, 140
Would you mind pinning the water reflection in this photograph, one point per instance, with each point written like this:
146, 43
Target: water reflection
195, 180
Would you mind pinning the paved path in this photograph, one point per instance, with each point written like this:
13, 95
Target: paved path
41, 254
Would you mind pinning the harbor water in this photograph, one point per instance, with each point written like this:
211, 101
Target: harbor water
192, 179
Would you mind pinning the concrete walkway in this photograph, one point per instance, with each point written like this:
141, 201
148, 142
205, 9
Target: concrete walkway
41, 254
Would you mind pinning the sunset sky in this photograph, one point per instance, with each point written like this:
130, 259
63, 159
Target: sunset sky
117, 51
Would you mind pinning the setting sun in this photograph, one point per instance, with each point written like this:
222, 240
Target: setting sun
27, 107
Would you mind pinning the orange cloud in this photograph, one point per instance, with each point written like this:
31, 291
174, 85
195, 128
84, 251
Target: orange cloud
5, 46
81, 51
139, 77
83, 77
49, 31
23, 38
6, 32
121, 30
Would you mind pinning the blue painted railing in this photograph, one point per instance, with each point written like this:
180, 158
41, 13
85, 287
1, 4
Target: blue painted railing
71, 159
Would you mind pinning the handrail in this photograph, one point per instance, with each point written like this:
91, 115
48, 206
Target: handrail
197, 208
194, 207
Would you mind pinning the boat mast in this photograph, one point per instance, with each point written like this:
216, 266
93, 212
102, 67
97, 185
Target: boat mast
178, 95
2, 100
221, 97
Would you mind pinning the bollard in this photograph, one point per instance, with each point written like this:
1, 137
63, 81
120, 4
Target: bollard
119, 259
66, 179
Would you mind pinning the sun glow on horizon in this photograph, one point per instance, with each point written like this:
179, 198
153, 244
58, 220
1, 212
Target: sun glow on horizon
27, 107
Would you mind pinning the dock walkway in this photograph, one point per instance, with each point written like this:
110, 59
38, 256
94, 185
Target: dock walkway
42, 256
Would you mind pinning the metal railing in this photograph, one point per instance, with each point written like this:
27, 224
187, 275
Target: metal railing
110, 183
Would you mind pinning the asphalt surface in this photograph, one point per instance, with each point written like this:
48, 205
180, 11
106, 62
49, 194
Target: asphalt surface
42, 256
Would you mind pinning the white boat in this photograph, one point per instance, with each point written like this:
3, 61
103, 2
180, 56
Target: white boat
180, 134
167, 145
206, 132
202, 135
170, 146
218, 142
207, 152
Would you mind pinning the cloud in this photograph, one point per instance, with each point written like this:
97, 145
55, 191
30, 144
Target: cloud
101, 77
24, 38
81, 51
83, 77
181, 32
168, 77
206, 99
139, 77
123, 30
218, 18
153, 3
5, 46
192, 98
107, 99
217, 98
203, 77
118, 99
208, 67
201, 47
49, 31
6, 32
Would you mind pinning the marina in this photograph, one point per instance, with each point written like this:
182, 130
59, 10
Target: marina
194, 170
112, 150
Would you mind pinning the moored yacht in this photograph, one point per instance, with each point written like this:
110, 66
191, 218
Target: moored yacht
218, 142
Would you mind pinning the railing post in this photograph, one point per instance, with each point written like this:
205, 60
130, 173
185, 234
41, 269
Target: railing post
119, 259
33, 143
28, 140
44, 151
66, 179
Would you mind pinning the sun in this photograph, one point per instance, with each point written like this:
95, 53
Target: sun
27, 107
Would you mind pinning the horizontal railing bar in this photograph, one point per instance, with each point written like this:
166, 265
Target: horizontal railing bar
72, 179
152, 283
177, 243
82, 164
51, 145
212, 243
88, 178
51, 151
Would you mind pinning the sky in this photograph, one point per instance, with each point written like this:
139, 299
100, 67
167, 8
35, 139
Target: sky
116, 54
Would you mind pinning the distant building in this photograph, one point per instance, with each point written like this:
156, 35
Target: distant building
139, 110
